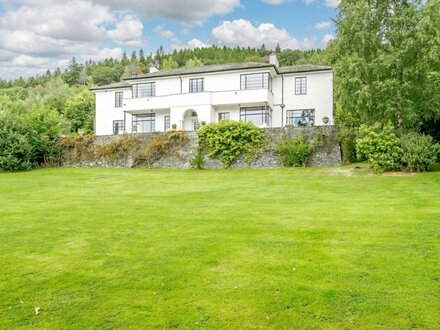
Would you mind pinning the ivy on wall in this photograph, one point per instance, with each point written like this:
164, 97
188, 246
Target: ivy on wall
227, 140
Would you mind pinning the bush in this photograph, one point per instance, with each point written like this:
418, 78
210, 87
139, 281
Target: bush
80, 111
419, 152
379, 146
228, 139
198, 162
347, 139
16, 150
294, 153
47, 125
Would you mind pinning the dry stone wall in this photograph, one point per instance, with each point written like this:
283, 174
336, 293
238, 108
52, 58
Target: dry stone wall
181, 156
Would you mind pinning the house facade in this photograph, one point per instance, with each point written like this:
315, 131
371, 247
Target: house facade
263, 93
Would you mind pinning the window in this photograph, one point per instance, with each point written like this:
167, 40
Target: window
301, 86
144, 123
119, 99
166, 123
196, 85
118, 126
257, 115
144, 90
256, 81
304, 117
224, 116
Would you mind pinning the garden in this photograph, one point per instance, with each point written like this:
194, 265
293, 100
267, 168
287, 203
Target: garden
301, 247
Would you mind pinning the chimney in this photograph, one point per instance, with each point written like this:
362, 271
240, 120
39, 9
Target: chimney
273, 59
154, 68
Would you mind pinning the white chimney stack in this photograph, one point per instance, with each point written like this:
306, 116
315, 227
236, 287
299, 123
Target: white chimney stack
273, 59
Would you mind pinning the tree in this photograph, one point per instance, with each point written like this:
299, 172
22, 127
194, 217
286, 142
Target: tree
80, 110
16, 150
384, 60
191, 63
47, 126
73, 72
169, 64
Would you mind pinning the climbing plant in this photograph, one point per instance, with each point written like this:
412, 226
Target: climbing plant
227, 140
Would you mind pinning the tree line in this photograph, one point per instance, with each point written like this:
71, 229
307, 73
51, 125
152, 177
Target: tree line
385, 58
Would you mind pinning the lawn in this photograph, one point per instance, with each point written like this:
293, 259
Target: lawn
226, 249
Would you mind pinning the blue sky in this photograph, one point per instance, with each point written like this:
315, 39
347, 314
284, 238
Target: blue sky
40, 34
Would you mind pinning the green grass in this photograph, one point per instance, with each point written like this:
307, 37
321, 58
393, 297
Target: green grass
232, 249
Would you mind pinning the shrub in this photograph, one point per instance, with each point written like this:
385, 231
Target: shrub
419, 152
380, 146
294, 153
17, 152
228, 139
157, 148
176, 136
47, 125
347, 139
198, 162
80, 111
118, 149
76, 148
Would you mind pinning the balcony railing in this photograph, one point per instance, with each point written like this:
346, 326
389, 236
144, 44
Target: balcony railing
203, 98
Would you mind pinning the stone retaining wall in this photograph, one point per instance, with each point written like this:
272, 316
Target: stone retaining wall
180, 158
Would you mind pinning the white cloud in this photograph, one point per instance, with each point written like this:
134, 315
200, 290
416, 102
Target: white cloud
83, 21
40, 34
29, 61
327, 38
196, 43
187, 11
128, 31
167, 34
279, 2
323, 25
101, 54
332, 3
241, 32
274, 2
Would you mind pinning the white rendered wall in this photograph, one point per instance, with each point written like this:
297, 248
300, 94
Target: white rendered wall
106, 112
221, 94
319, 95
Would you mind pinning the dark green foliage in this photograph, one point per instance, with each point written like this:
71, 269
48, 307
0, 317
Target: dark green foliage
227, 140
80, 111
347, 139
16, 150
379, 146
47, 125
28, 139
294, 153
105, 75
419, 152
198, 161
386, 62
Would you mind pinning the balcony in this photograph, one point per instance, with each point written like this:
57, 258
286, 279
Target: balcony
203, 98
242, 97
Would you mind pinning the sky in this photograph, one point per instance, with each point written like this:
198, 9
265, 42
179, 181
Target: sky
36, 35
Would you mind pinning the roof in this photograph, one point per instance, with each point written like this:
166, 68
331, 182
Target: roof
204, 69
303, 68
216, 68
121, 84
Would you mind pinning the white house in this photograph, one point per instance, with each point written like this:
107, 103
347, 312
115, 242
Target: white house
264, 93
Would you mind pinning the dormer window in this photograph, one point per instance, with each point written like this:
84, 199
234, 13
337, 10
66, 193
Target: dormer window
144, 90
256, 81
